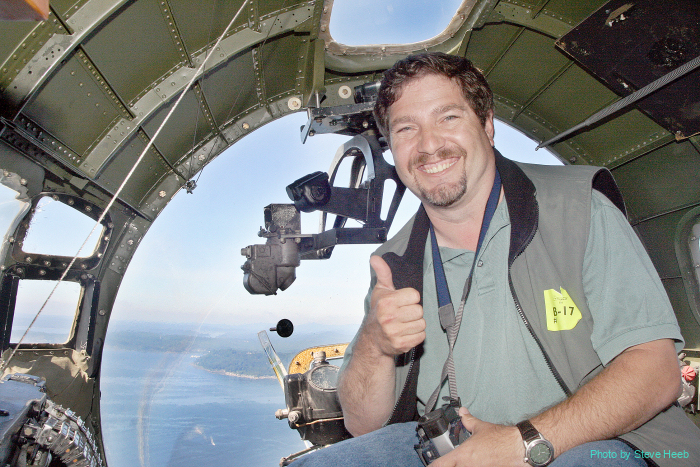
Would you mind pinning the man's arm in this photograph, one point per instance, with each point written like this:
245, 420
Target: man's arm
393, 326
639, 383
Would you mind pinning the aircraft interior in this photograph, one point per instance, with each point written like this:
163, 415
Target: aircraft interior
111, 108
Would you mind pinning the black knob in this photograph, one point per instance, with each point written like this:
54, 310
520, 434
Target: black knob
284, 328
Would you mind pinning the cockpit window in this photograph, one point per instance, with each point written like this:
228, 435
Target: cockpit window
367, 22
54, 324
58, 229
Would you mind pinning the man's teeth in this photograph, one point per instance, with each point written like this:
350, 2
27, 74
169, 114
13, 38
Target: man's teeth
439, 167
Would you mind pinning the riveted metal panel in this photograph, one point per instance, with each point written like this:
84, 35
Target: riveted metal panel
284, 53
17, 30
230, 88
576, 91
64, 8
661, 181
271, 6
135, 49
530, 61
576, 11
486, 44
200, 23
185, 129
151, 169
607, 144
31, 58
75, 93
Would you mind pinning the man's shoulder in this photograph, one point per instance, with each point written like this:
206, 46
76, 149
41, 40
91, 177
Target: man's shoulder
566, 181
398, 242
538, 171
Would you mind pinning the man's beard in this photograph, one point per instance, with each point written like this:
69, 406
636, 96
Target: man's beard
443, 195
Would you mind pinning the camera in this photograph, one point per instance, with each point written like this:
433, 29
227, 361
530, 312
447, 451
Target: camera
439, 432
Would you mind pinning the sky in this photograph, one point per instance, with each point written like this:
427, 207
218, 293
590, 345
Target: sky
188, 266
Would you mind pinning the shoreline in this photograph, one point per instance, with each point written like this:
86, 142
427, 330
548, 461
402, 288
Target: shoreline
236, 375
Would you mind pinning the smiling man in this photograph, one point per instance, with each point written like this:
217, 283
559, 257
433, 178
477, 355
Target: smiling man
517, 292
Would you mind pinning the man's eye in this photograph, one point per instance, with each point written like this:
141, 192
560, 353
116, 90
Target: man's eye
451, 117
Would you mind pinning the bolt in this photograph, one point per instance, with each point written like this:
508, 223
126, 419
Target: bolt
102, 312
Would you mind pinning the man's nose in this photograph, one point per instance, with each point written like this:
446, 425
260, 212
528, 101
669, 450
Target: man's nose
430, 141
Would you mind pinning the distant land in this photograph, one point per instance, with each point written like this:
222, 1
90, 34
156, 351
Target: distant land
230, 350
241, 363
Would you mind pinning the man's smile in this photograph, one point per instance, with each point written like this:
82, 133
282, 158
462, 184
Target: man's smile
440, 166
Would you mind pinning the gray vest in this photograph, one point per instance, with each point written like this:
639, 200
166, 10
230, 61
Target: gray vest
547, 249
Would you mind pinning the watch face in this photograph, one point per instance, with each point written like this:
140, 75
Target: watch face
540, 453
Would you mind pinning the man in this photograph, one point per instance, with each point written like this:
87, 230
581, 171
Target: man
567, 340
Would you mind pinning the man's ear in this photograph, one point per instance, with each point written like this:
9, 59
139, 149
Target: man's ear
489, 128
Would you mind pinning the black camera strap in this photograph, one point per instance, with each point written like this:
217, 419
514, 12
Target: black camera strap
450, 321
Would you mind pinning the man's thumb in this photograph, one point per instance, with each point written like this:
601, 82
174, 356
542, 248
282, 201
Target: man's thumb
382, 271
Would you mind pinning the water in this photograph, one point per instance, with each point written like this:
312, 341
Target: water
158, 410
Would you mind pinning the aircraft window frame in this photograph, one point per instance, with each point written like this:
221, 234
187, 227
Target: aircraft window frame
333, 47
29, 299
688, 256
26, 267
36, 239
60, 261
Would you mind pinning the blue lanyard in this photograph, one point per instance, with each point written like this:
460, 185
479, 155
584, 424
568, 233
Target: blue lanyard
445, 307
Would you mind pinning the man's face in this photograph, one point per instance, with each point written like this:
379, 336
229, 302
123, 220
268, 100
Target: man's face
441, 149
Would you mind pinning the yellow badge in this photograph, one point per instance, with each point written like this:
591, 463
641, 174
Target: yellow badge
562, 312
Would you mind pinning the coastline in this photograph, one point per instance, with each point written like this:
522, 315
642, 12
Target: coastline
236, 375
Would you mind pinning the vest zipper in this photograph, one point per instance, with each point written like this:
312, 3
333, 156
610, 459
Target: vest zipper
412, 360
549, 363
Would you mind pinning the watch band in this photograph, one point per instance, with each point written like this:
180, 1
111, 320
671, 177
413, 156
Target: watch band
538, 451
528, 431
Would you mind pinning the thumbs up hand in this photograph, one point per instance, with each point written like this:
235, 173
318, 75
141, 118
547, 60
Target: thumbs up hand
395, 322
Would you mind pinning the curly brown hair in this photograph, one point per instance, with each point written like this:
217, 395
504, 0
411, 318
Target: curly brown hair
474, 86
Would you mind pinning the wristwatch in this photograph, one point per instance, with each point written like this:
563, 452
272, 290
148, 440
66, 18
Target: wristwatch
538, 451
